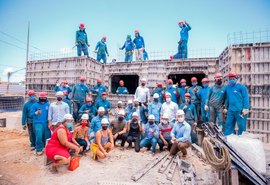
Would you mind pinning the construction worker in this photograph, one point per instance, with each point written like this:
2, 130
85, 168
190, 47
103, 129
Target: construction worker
27, 119
134, 130
182, 44
159, 91
155, 107
63, 87
130, 109
172, 90
202, 95
129, 47
237, 105
142, 111
80, 134
190, 115
142, 92
215, 101
181, 135
195, 88
39, 112
139, 45
88, 108
165, 129
145, 55
101, 50
151, 134
182, 91
121, 89
67, 101
118, 109
103, 102
169, 107
98, 89
79, 93
96, 123
82, 41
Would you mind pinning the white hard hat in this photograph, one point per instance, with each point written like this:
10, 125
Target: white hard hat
165, 116
134, 114
59, 93
168, 94
135, 100
151, 116
85, 116
104, 121
180, 112
68, 116
143, 80
101, 109
129, 101
156, 95
54, 123
121, 112
119, 102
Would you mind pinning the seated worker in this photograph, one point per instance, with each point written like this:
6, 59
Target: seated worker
59, 144
165, 129
103, 142
118, 128
88, 108
103, 102
129, 110
80, 134
181, 138
151, 134
134, 130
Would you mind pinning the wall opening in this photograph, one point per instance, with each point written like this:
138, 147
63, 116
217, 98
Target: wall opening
131, 82
177, 77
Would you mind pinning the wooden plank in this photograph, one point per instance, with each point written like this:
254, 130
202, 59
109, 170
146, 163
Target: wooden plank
165, 164
172, 168
234, 177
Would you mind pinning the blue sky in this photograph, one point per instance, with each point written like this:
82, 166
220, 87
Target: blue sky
53, 24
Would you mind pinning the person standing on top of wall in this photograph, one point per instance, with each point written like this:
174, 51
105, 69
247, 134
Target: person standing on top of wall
182, 44
145, 55
129, 47
98, 89
82, 41
121, 89
101, 50
142, 92
139, 45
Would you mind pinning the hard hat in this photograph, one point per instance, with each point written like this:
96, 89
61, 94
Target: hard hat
159, 84
99, 80
101, 109
135, 100
180, 112
180, 22
121, 112
130, 102
232, 74
65, 82
88, 99
54, 123
205, 80
187, 95
168, 94
121, 82
193, 79
136, 31
156, 95
31, 92
43, 94
85, 116
59, 93
82, 25
151, 116
68, 116
171, 57
82, 78
143, 80
104, 37
119, 102
218, 75
183, 81
165, 116
170, 81
104, 121
134, 114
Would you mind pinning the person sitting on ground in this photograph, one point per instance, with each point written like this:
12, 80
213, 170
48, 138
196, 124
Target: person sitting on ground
103, 142
134, 130
118, 128
180, 134
165, 133
59, 144
80, 134
88, 108
151, 133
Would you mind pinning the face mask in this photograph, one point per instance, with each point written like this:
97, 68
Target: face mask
84, 123
134, 119
130, 106
104, 127
170, 86
143, 84
164, 122
155, 100
42, 100
32, 98
168, 100
119, 106
151, 122
181, 120
59, 98
100, 114
183, 84
82, 83
69, 125
219, 82
232, 82
98, 84
194, 83
120, 119
89, 104
187, 100
103, 98
136, 105
205, 85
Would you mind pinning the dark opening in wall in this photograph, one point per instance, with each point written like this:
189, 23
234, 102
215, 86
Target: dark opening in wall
131, 82
177, 77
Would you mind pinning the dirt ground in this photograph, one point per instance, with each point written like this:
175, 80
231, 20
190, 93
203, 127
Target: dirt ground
19, 165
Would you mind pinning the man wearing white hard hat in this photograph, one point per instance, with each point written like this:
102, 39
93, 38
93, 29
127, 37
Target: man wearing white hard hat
181, 135
129, 110
169, 107
165, 128
155, 107
57, 109
151, 134
134, 130
141, 110
142, 92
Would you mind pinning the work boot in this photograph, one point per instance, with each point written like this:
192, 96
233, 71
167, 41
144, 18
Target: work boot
32, 148
39, 153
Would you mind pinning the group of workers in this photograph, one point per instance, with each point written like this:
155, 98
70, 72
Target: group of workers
167, 117
136, 45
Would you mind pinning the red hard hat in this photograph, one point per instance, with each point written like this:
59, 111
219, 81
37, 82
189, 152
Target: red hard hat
187, 95
205, 80
99, 80
88, 99
121, 81
232, 74
170, 81
82, 25
171, 57
82, 78
136, 31
159, 84
43, 94
180, 22
218, 75
31, 92
104, 37
65, 82
183, 81
193, 79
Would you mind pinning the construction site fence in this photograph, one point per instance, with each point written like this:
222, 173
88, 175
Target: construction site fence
11, 103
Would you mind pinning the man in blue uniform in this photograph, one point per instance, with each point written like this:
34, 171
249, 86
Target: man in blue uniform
101, 50
121, 89
82, 41
129, 47
139, 45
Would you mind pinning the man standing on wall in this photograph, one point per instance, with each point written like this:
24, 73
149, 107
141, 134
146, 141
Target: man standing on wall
82, 41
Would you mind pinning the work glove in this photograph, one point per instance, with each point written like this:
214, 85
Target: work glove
206, 108
225, 111
245, 111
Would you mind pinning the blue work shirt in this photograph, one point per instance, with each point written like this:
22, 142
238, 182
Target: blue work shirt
139, 42
96, 123
79, 92
122, 90
92, 110
43, 117
26, 117
59, 88
159, 91
101, 48
216, 96
202, 95
173, 91
194, 98
155, 108
129, 113
184, 32
190, 112
148, 134
98, 89
81, 37
182, 91
181, 131
145, 55
128, 45
103, 103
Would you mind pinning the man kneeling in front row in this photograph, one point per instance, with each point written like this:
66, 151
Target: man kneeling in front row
181, 138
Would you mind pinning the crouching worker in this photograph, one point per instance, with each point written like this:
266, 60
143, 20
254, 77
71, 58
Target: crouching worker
165, 129
181, 138
58, 146
80, 134
103, 142
134, 130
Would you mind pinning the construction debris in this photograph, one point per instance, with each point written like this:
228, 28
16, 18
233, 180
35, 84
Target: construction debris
171, 170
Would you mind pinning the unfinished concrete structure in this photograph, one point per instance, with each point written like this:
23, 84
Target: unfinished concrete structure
251, 61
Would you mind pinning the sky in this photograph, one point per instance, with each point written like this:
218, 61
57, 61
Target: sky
53, 25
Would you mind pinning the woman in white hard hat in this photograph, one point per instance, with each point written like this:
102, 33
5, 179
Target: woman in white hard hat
134, 130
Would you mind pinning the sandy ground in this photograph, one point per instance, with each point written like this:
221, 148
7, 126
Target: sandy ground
19, 165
